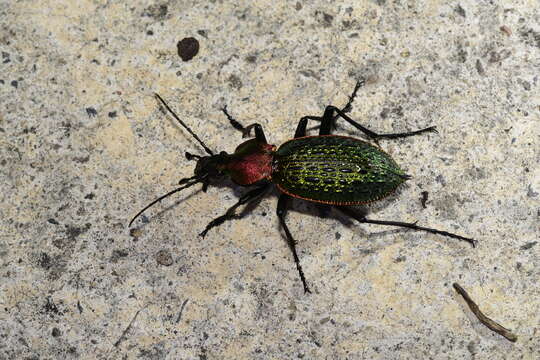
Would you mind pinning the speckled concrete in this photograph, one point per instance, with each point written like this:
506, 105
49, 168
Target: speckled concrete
84, 145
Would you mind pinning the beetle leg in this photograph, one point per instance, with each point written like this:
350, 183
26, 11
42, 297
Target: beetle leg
373, 135
230, 214
281, 213
235, 124
302, 125
259, 132
246, 130
348, 211
328, 120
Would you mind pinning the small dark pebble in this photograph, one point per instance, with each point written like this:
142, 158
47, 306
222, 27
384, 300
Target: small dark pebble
52, 221
56, 332
479, 67
135, 233
90, 196
91, 111
424, 198
15, 84
188, 48
112, 114
149, 33
164, 257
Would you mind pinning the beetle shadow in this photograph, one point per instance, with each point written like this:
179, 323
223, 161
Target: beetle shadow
304, 207
325, 211
222, 183
145, 220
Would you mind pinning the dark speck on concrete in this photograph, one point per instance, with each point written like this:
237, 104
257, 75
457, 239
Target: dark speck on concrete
460, 11
479, 67
91, 111
73, 231
529, 245
164, 257
118, 254
44, 261
81, 159
112, 114
235, 82
51, 308
56, 332
203, 33
309, 73
424, 198
338, 236
52, 221
187, 48
149, 33
2, 82
15, 84
90, 196
157, 11
251, 59
440, 179
328, 19
530, 37
530, 192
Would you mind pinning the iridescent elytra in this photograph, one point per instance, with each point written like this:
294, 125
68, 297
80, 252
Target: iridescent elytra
340, 171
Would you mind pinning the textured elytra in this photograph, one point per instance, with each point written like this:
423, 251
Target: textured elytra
336, 170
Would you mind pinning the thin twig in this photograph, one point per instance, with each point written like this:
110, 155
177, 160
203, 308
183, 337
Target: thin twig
122, 337
181, 311
494, 326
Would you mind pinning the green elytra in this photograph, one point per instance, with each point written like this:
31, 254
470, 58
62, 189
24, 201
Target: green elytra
335, 170
330, 169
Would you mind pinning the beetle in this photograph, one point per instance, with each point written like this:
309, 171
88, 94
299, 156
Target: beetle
336, 170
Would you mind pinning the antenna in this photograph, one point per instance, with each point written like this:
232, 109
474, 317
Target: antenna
184, 125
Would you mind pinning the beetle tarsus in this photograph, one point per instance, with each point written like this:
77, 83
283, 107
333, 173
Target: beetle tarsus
232, 120
191, 156
413, 225
281, 213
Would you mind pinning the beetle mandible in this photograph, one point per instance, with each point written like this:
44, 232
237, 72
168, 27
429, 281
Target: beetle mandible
328, 169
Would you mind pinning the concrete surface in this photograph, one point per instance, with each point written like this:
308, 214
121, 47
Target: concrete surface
84, 146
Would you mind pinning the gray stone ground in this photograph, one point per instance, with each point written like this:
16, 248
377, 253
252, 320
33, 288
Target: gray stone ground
84, 145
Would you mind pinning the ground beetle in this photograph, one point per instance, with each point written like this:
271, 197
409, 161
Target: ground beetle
326, 169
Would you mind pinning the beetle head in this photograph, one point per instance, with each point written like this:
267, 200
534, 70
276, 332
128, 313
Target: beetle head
208, 167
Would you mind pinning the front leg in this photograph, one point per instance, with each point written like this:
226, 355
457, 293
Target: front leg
247, 198
246, 130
